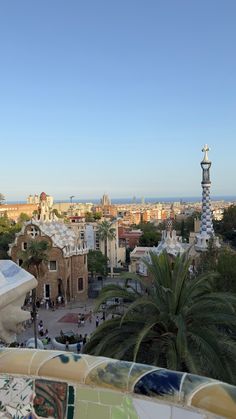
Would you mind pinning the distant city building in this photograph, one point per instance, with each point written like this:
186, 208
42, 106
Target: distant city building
105, 200
88, 232
73, 209
13, 211
129, 238
107, 211
35, 199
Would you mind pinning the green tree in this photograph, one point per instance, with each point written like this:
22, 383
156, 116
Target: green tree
185, 226
97, 216
176, 323
8, 229
208, 259
34, 259
226, 267
57, 214
106, 233
2, 198
96, 262
151, 236
227, 227
23, 218
89, 218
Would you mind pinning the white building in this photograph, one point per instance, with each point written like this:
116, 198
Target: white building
88, 232
35, 199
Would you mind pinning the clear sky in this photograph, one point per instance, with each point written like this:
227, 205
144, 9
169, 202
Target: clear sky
116, 96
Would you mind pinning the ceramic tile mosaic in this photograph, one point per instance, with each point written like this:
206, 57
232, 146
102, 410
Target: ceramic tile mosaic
38, 384
16, 397
50, 399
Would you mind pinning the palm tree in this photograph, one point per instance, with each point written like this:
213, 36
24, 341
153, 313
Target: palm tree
106, 233
33, 259
175, 322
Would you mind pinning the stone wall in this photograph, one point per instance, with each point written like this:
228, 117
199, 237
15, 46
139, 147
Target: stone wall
79, 270
69, 269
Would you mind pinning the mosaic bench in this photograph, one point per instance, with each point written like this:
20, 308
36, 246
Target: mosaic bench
52, 384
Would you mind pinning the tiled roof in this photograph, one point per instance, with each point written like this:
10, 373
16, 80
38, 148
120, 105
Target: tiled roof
61, 236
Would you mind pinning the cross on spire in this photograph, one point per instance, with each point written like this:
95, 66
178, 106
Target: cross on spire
205, 151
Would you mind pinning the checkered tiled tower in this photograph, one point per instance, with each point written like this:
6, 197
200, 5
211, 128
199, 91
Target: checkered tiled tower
206, 230
206, 219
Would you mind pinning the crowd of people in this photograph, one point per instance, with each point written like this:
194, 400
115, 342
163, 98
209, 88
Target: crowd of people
83, 318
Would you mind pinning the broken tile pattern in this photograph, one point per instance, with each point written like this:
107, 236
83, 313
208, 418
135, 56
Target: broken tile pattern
50, 399
49, 384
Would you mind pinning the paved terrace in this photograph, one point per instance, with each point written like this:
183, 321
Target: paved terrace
63, 318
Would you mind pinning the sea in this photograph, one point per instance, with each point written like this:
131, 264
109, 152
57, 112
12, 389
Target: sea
148, 200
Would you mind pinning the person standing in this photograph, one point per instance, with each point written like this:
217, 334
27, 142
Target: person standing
97, 321
78, 347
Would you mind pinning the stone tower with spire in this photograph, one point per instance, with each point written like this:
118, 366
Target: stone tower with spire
206, 230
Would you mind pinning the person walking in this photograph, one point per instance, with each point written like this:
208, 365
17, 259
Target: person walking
78, 347
85, 339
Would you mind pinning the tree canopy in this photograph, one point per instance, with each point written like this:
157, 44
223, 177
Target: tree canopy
23, 218
8, 229
106, 233
175, 322
96, 262
2, 198
227, 226
151, 236
92, 216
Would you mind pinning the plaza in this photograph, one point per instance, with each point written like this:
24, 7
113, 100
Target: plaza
62, 319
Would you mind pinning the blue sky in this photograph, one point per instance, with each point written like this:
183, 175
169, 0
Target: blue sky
116, 96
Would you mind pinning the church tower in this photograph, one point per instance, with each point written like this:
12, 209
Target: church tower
206, 229
44, 213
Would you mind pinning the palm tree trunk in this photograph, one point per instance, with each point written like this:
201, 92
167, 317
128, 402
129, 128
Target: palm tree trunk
105, 251
34, 312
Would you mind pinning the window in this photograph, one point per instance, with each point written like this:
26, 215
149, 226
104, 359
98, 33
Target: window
80, 284
33, 232
82, 235
52, 266
24, 246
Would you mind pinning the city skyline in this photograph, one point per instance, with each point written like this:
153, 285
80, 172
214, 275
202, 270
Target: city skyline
117, 98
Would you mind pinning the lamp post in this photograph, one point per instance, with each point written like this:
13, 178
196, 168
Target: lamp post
71, 207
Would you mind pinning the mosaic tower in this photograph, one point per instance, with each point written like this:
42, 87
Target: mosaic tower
206, 219
206, 230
